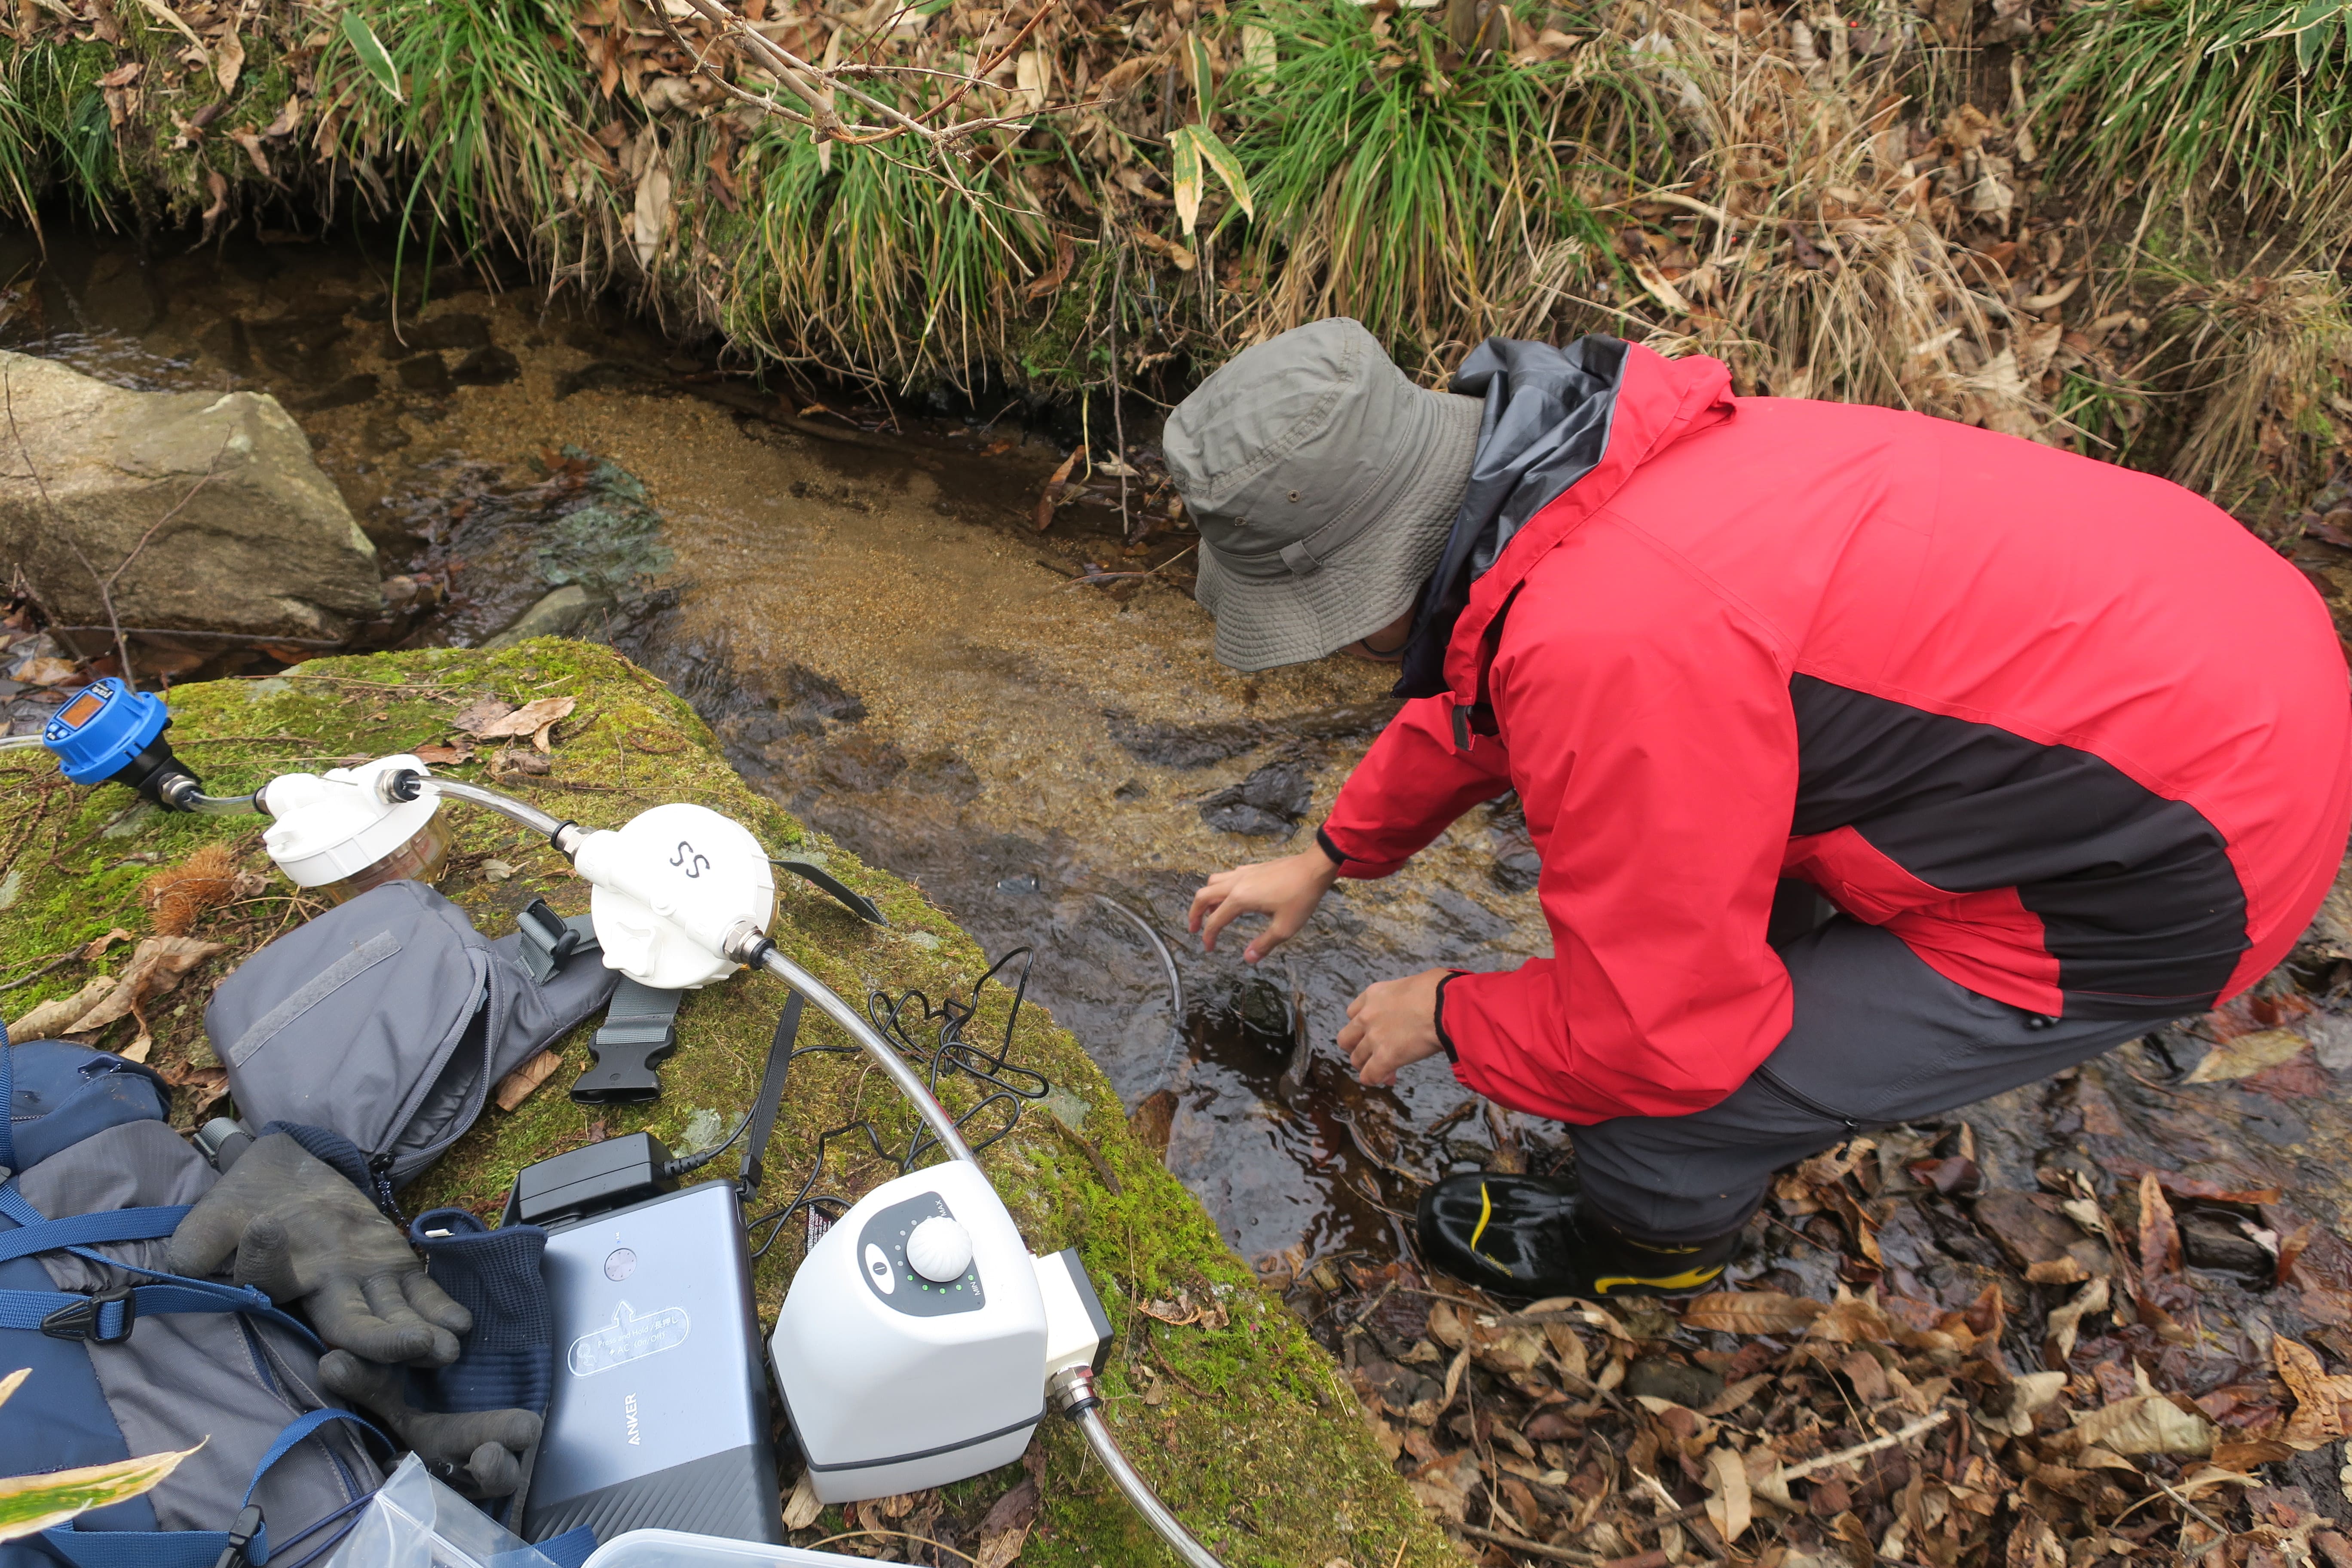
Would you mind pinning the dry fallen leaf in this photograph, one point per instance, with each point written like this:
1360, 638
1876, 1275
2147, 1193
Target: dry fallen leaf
1752, 1313
802, 1507
439, 756
2028, 1398
2321, 1398
2248, 1055
156, 968
477, 717
2066, 1322
52, 1017
48, 671
1004, 1530
518, 1085
2145, 1424
533, 719
99, 945
229, 62
1051, 496
1728, 1507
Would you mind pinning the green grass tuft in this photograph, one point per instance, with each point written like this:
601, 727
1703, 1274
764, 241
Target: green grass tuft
2200, 107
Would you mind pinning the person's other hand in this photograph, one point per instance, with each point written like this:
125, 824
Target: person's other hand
1393, 1022
1287, 890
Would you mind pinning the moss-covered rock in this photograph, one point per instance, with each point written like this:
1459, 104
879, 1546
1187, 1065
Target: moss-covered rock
1231, 1410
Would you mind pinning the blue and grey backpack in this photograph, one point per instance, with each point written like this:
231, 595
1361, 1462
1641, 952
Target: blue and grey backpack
126, 1359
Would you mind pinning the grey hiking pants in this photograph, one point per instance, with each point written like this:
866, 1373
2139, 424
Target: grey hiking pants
1878, 1038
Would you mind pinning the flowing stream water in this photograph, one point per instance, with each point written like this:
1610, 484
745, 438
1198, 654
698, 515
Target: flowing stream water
888, 646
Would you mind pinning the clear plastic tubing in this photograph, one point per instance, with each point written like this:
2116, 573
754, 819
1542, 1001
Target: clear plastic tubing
1140, 1496
181, 792
505, 805
218, 805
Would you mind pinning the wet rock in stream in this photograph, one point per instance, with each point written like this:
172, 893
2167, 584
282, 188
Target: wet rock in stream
1266, 805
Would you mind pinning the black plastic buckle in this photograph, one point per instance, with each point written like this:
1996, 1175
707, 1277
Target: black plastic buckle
82, 1320
241, 1532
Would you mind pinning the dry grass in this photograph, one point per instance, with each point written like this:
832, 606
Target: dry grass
2269, 356
1843, 205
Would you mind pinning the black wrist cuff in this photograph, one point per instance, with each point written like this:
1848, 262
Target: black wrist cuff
1437, 1013
1323, 842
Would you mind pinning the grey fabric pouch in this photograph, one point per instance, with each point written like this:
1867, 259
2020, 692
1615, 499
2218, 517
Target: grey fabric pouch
388, 1020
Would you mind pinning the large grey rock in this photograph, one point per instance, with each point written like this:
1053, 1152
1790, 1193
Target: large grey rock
264, 546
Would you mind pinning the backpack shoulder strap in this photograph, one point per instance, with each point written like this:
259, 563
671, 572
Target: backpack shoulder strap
106, 1315
198, 1548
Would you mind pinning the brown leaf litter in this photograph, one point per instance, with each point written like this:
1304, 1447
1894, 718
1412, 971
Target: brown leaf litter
1915, 1366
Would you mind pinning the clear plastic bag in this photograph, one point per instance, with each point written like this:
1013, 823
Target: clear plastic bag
414, 1521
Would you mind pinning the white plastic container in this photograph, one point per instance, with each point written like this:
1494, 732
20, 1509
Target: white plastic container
674, 1549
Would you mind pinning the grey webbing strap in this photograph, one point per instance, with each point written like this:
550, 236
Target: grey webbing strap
640, 1029
548, 939
771, 1090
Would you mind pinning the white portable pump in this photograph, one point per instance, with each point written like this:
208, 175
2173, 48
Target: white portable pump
921, 1342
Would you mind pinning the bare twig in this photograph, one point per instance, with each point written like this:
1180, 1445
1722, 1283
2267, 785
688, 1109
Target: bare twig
1530, 1548
1787, 1473
1117, 419
51, 967
1096, 579
996, 61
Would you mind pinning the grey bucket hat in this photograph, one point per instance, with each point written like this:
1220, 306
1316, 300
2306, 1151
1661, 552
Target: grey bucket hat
1323, 482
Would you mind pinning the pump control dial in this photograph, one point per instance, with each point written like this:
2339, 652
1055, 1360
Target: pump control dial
939, 1249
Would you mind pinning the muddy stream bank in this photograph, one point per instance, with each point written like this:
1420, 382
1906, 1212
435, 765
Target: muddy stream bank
890, 648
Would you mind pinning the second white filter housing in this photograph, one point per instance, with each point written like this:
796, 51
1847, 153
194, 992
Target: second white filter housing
894, 1381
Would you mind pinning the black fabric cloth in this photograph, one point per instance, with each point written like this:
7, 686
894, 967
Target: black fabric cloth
508, 1362
1545, 426
1878, 1038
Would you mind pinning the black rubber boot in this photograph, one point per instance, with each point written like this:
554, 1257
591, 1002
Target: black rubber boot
1527, 1237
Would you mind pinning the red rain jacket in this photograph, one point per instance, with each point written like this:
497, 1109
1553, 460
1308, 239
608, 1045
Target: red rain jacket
2072, 733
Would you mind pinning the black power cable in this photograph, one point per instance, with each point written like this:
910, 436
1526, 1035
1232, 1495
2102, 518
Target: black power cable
1010, 1088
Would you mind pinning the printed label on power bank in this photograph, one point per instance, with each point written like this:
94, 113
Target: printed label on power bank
630, 1336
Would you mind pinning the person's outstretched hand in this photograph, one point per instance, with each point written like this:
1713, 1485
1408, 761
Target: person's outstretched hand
1391, 1023
299, 1232
1287, 889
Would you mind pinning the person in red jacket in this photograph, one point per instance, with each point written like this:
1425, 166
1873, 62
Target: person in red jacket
2067, 750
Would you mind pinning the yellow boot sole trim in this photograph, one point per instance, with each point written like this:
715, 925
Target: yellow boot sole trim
1485, 1213
1686, 1280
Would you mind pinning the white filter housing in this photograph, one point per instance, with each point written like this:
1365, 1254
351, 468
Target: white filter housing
668, 888
894, 1382
325, 827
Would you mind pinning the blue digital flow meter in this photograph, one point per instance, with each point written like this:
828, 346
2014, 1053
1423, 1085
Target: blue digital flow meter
108, 733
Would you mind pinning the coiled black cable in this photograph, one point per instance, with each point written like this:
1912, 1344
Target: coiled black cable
1010, 1088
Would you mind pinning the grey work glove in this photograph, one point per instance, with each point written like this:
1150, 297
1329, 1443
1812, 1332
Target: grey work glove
478, 1452
300, 1233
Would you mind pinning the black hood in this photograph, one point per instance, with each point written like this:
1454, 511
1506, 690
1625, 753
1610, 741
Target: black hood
1545, 427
